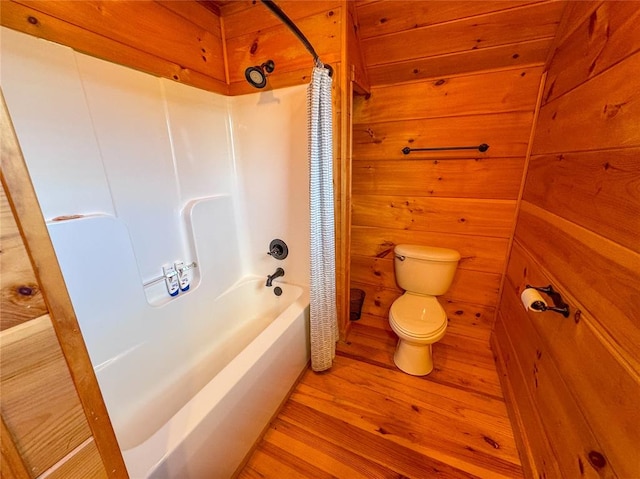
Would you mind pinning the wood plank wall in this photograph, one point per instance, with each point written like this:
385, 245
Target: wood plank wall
444, 74
53, 416
172, 39
573, 384
406, 40
254, 35
463, 200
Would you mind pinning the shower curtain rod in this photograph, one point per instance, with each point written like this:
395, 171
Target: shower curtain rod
296, 31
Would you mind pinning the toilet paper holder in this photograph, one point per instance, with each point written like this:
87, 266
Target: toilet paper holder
559, 306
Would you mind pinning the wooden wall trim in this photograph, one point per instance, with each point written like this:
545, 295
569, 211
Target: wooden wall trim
354, 57
343, 165
16, 181
225, 53
523, 181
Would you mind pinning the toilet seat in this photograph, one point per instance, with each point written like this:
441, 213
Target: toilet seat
419, 317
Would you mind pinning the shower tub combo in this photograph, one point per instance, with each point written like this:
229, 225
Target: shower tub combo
200, 409
190, 382
154, 173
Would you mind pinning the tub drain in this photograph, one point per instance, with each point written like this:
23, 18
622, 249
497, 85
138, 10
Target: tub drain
277, 290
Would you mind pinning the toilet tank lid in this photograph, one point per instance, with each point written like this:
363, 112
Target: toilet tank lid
427, 252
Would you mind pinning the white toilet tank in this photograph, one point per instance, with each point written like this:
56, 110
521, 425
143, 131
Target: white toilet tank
425, 269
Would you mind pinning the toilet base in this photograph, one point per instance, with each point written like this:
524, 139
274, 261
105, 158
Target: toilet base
414, 359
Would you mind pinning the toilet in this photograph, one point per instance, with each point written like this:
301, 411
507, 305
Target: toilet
417, 317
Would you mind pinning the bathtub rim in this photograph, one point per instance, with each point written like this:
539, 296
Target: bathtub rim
141, 460
130, 418
256, 443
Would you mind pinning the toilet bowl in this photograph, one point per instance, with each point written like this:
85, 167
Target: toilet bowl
417, 317
418, 321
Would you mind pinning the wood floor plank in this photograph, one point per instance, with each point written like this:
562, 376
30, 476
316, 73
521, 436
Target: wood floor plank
331, 458
417, 413
364, 418
413, 421
373, 426
458, 361
399, 457
469, 347
264, 464
441, 398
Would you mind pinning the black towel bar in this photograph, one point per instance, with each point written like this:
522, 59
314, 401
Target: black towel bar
481, 148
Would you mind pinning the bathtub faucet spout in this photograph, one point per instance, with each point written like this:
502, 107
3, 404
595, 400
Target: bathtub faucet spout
279, 272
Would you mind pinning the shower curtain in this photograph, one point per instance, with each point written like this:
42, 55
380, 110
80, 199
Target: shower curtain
324, 326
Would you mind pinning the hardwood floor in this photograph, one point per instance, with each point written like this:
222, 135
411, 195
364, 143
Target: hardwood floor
366, 419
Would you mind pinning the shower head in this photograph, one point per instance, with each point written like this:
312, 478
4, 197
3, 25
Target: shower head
257, 76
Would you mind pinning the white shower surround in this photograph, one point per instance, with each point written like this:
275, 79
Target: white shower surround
160, 172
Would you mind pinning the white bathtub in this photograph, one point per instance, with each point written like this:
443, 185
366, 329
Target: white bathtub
210, 390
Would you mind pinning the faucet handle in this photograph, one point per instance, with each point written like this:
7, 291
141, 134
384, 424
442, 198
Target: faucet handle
278, 249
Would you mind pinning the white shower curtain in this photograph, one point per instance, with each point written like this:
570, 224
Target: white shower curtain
324, 326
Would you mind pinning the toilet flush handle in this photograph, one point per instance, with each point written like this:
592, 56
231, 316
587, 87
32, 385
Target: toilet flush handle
400, 257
